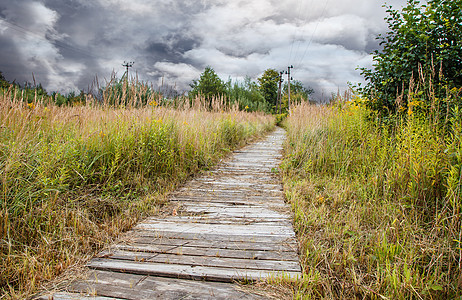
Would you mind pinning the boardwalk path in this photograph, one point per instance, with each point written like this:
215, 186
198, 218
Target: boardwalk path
232, 224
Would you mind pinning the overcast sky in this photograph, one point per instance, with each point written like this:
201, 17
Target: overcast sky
65, 43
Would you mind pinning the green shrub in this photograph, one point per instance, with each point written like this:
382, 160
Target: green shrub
377, 205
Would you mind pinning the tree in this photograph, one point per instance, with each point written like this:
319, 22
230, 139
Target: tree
3, 82
247, 94
209, 85
297, 88
269, 86
423, 40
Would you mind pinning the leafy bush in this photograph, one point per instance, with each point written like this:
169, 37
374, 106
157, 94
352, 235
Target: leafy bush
248, 96
424, 45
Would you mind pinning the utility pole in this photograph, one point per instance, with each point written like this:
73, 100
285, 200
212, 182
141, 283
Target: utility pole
289, 78
279, 102
128, 65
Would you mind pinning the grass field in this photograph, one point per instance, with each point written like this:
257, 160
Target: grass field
73, 178
377, 206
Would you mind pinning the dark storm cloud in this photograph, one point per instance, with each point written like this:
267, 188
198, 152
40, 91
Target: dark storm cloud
11, 60
66, 43
170, 47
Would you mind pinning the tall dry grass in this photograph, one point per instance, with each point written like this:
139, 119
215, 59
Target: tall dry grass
73, 178
377, 206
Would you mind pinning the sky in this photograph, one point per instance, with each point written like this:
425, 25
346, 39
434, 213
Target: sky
64, 45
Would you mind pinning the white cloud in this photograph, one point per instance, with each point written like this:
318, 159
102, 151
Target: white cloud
326, 45
169, 73
176, 39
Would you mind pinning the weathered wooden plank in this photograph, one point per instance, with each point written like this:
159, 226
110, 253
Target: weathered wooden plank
233, 191
260, 165
223, 220
76, 296
249, 177
256, 197
247, 206
212, 252
269, 209
286, 246
100, 283
113, 278
233, 221
238, 217
240, 184
235, 170
207, 261
251, 229
231, 211
184, 271
255, 202
257, 207
229, 220
211, 236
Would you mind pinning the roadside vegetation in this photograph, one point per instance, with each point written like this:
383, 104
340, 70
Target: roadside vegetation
374, 178
78, 169
377, 207
75, 176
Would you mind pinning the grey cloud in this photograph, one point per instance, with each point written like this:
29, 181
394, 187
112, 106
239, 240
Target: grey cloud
11, 61
175, 39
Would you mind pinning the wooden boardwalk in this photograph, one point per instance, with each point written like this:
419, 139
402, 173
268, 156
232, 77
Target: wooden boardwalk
231, 225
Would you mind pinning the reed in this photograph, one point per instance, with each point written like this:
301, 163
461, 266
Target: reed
377, 204
74, 177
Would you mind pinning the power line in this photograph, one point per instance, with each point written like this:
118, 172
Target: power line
57, 43
298, 30
314, 32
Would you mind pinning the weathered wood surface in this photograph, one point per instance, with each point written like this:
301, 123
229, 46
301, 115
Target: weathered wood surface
103, 285
231, 224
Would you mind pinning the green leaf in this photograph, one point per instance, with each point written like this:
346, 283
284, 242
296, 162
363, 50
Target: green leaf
436, 287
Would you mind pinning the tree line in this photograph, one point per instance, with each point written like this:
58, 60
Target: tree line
249, 95
35, 92
259, 95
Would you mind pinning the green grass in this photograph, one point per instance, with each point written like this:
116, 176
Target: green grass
73, 178
377, 206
